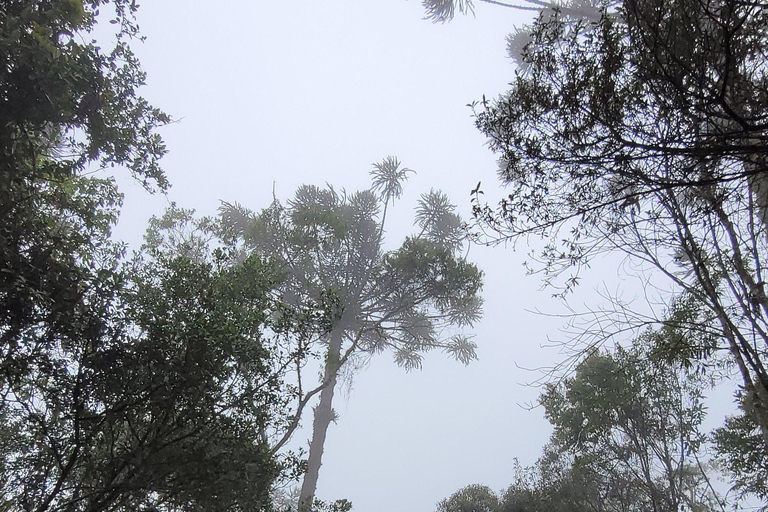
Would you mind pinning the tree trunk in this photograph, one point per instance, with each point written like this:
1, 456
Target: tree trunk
323, 417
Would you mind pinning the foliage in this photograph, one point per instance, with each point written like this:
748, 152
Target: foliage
141, 385
61, 94
640, 126
552, 484
444, 10
157, 397
64, 105
739, 444
631, 426
541, 488
626, 438
287, 500
329, 244
683, 339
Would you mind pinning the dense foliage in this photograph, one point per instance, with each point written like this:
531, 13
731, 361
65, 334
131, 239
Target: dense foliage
157, 383
125, 385
63, 105
639, 126
157, 398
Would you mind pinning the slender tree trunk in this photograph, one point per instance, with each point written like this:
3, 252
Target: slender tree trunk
323, 417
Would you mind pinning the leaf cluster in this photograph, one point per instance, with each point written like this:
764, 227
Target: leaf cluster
740, 445
62, 94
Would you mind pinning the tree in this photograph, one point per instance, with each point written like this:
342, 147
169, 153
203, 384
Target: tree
142, 385
65, 106
553, 484
743, 454
156, 399
631, 425
472, 498
330, 246
643, 130
626, 438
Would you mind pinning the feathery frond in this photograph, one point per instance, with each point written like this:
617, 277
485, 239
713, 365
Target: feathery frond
388, 178
444, 10
236, 217
438, 222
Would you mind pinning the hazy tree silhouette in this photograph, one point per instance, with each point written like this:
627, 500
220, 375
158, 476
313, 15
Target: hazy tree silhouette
409, 300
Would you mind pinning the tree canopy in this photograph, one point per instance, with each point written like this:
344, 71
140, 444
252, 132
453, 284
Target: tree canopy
639, 126
158, 382
472, 498
64, 105
158, 397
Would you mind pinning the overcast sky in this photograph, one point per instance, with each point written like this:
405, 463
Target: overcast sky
282, 93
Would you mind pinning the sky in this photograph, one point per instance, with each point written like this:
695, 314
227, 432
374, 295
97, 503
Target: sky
267, 96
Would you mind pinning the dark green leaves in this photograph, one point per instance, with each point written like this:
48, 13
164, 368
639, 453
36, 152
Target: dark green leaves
55, 86
125, 386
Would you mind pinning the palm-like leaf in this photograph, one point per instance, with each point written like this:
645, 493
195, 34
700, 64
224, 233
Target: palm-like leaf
444, 10
388, 178
236, 217
408, 359
438, 222
461, 348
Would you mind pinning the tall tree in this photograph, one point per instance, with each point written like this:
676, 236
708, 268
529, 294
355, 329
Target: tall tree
331, 247
643, 129
64, 104
123, 386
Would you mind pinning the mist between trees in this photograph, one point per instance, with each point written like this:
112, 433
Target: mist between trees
174, 378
